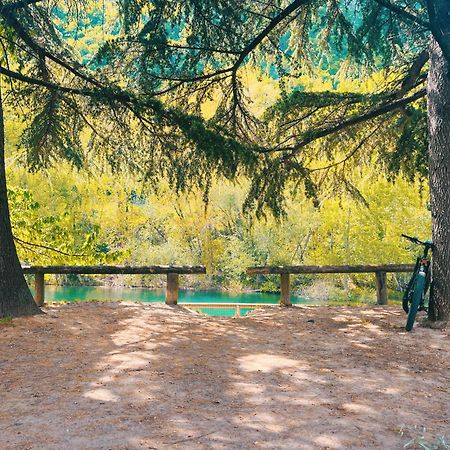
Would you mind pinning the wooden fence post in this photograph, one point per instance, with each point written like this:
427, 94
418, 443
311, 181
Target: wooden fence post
172, 289
382, 297
39, 289
285, 298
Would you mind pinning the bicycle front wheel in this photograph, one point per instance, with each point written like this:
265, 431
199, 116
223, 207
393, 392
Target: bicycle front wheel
416, 299
409, 291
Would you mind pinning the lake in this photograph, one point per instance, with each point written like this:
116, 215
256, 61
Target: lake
100, 293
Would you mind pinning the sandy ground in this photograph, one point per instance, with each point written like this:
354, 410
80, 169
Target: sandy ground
126, 376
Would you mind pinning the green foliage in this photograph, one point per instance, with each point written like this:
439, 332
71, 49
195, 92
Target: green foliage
421, 438
110, 218
55, 237
141, 72
182, 95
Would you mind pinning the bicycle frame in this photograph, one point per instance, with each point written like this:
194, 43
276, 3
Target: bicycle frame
414, 296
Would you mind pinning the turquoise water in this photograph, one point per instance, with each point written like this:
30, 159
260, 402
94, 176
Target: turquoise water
86, 293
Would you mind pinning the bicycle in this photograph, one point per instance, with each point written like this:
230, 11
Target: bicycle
415, 293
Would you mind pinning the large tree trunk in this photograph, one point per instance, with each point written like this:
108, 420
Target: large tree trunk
15, 296
438, 86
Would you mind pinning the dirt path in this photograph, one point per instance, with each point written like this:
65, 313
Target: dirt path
125, 376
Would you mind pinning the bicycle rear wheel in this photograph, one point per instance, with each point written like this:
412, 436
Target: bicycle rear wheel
417, 296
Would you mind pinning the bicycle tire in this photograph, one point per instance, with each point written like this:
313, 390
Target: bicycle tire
409, 291
417, 297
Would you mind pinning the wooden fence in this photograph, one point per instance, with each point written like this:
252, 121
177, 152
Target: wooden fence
380, 272
172, 273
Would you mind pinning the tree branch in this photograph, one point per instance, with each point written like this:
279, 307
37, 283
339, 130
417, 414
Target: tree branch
204, 49
104, 93
404, 14
264, 33
414, 71
350, 155
355, 120
194, 79
47, 84
11, 20
46, 247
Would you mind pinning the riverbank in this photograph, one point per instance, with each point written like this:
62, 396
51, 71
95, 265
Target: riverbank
109, 375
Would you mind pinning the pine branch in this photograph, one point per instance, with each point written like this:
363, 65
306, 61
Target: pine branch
243, 54
403, 14
351, 154
48, 84
202, 77
414, 71
312, 136
12, 21
266, 31
203, 49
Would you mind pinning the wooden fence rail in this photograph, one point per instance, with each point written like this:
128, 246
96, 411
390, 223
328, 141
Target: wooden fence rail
172, 273
380, 272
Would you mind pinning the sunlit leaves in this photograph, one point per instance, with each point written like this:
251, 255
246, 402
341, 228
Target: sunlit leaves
58, 237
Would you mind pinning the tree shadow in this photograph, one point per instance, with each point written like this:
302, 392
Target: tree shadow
135, 376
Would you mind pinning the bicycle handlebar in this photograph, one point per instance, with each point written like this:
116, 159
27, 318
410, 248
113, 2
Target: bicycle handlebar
412, 239
418, 241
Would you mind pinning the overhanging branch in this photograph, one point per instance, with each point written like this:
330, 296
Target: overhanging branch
12, 21
266, 31
413, 73
403, 14
350, 155
355, 120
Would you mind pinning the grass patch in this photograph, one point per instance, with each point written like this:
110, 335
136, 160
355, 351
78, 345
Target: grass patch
5, 321
421, 439
355, 297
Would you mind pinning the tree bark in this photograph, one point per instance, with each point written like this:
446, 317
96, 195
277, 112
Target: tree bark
438, 87
15, 296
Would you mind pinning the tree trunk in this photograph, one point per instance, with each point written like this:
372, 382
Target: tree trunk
15, 296
438, 87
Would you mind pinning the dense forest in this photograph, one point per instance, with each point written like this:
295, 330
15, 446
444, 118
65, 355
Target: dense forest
148, 134
98, 216
66, 216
